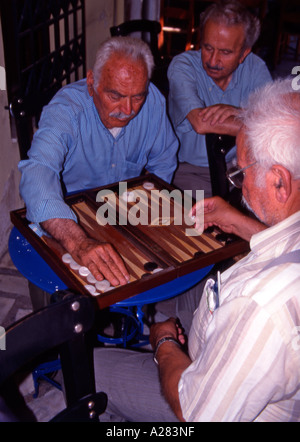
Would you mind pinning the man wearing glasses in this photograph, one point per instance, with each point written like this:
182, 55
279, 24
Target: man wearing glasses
243, 358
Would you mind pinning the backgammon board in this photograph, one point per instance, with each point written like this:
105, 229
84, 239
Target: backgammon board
146, 221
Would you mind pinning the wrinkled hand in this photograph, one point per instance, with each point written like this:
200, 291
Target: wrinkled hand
218, 113
102, 260
169, 328
217, 212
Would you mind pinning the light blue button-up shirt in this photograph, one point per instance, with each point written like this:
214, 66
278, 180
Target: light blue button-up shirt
192, 88
72, 149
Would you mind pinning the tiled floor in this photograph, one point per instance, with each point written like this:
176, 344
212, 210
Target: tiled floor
15, 303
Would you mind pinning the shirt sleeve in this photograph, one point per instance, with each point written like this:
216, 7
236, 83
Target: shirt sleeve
183, 94
40, 184
255, 74
241, 368
162, 159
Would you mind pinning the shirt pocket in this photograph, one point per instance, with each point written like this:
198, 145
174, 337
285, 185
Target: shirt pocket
128, 169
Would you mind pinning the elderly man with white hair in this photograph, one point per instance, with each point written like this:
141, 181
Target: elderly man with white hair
243, 351
106, 128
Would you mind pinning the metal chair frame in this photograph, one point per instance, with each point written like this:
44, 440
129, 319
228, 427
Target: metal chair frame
64, 326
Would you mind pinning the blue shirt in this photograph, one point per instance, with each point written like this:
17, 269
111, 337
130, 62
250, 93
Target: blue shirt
192, 88
72, 149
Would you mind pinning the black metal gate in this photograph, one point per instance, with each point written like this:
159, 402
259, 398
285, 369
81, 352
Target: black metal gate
44, 49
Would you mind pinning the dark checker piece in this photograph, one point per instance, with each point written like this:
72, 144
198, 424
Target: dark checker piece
150, 266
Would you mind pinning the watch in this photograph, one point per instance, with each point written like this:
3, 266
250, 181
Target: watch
160, 342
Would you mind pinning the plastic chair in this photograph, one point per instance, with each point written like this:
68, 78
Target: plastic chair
62, 325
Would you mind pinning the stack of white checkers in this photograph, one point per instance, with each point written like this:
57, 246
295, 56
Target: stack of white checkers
93, 286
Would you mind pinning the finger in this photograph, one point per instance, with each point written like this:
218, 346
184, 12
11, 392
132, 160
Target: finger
111, 266
219, 117
207, 113
119, 263
94, 269
196, 208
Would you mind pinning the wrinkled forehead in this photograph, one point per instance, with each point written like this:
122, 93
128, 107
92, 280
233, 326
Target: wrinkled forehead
121, 64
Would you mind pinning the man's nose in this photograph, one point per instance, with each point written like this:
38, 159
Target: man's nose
213, 61
126, 106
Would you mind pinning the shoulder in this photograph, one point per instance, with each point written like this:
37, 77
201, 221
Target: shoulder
254, 63
154, 98
253, 73
70, 104
187, 59
74, 95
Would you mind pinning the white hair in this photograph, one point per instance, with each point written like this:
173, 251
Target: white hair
272, 126
130, 47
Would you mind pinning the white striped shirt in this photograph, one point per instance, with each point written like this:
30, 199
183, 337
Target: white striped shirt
246, 354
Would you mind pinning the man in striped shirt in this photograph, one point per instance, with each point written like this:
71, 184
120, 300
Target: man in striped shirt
243, 360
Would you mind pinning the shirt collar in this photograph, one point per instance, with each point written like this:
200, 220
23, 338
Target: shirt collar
282, 230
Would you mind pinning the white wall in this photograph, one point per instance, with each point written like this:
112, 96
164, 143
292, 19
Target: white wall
100, 16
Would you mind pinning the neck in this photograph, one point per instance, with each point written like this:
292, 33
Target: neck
223, 83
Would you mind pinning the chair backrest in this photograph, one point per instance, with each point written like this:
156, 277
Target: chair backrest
217, 147
61, 325
148, 29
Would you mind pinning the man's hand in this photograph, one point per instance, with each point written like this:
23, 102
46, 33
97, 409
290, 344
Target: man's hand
219, 118
169, 328
218, 113
219, 213
100, 258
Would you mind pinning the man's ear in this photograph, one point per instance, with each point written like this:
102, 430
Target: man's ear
282, 183
90, 82
244, 54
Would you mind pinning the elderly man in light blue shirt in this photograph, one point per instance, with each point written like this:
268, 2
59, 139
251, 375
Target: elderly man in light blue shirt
94, 132
208, 88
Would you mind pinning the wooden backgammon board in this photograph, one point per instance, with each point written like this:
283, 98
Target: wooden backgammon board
146, 221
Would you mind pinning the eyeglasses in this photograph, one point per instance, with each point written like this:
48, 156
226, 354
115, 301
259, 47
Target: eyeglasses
236, 175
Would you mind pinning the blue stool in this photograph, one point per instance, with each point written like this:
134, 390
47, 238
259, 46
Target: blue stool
33, 267
41, 372
131, 308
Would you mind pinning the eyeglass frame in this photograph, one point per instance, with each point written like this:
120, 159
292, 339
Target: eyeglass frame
236, 172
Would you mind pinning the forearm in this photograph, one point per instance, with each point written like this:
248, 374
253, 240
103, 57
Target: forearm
203, 123
172, 363
171, 359
66, 231
230, 126
247, 227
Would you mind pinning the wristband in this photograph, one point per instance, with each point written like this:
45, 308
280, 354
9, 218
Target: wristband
160, 342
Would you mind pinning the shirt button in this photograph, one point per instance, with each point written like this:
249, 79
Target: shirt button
113, 165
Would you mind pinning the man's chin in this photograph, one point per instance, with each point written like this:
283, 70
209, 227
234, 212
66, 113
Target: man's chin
117, 122
248, 207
